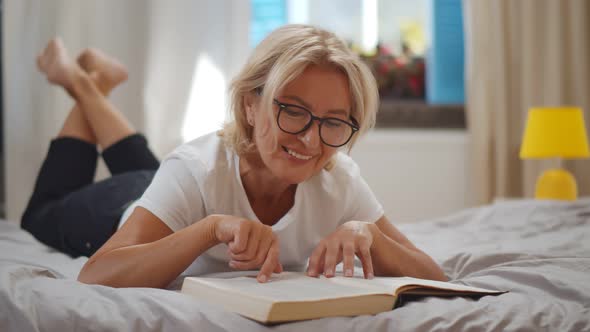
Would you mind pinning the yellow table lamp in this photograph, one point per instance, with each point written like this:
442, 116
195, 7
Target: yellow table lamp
555, 132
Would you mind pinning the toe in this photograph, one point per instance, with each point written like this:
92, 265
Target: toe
84, 59
40, 62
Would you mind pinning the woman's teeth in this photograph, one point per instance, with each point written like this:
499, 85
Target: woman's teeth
297, 155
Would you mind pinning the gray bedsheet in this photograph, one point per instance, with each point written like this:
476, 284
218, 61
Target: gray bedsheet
539, 251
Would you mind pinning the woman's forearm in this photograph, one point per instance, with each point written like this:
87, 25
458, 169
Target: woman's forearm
154, 264
393, 259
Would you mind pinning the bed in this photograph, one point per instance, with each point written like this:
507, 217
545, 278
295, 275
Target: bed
537, 250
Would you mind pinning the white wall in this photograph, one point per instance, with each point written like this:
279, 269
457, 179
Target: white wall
415, 174
160, 42
344, 17
393, 13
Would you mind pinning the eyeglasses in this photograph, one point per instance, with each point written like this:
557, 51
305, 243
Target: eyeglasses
334, 132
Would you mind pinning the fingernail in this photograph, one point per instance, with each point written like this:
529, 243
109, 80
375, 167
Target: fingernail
348, 273
369, 275
262, 278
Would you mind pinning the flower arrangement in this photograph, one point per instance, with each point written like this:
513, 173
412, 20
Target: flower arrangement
401, 76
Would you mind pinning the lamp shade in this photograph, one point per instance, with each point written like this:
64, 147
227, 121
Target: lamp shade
555, 132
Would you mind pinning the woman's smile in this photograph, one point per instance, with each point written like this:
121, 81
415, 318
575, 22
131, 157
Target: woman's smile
300, 157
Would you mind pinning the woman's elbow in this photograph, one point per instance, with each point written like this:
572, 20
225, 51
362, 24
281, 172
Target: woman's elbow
84, 279
88, 276
85, 276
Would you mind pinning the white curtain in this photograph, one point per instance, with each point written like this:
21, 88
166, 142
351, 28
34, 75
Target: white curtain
521, 54
169, 47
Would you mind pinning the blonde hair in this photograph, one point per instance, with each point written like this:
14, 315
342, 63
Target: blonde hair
281, 57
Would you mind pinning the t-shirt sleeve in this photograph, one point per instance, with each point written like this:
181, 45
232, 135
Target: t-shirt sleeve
363, 205
174, 195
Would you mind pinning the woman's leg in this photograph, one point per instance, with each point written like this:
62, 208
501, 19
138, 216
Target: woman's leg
76, 124
123, 149
108, 124
70, 165
80, 222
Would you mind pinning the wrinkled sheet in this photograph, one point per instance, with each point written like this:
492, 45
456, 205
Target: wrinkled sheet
538, 251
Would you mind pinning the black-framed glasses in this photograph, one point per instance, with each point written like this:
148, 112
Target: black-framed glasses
334, 132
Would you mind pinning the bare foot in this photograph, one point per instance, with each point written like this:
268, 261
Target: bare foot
56, 64
110, 72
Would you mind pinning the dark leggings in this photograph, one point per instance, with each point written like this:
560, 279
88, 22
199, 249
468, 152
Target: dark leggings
69, 212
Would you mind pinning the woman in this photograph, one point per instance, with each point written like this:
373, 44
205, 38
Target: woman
269, 191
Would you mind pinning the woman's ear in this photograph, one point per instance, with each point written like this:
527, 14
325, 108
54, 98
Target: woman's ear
250, 101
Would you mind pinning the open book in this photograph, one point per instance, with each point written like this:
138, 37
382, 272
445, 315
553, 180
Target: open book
291, 296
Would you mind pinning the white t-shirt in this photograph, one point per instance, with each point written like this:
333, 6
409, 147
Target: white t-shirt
202, 177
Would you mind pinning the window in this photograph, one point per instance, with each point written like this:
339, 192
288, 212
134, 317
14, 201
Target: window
415, 49
267, 15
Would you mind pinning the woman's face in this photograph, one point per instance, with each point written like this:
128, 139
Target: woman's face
296, 157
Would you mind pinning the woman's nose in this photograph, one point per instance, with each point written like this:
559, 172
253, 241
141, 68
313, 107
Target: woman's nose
311, 137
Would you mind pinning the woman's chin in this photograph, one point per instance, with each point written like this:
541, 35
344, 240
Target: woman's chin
292, 177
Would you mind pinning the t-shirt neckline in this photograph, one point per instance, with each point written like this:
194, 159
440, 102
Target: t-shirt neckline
285, 220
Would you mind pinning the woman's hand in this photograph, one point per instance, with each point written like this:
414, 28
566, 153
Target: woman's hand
350, 239
251, 245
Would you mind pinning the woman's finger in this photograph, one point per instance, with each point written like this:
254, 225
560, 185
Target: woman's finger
316, 258
331, 257
241, 233
269, 265
278, 268
265, 242
348, 258
242, 265
364, 254
252, 247
264, 246
254, 241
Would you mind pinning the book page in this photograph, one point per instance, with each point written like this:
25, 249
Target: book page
290, 286
391, 284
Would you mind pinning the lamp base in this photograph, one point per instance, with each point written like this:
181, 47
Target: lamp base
557, 184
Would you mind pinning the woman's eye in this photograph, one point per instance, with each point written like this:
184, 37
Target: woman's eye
293, 113
333, 123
